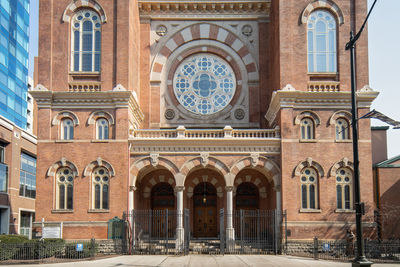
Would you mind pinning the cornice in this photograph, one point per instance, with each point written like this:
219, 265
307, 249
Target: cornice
223, 146
322, 100
203, 9
89, 100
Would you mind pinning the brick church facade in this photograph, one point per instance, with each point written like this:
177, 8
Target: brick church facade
157, 105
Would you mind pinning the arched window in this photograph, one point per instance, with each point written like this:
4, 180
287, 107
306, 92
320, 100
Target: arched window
64, 188
344, 189
321, 37
67, 129
342, 129
309, 189
86, 41
307, 129
102, 129
100, 188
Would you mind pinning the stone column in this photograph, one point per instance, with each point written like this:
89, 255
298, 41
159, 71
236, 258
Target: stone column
131, 207
230, 231
180, 234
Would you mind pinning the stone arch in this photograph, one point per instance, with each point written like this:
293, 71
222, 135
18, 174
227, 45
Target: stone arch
340, 114
99, 162
322, 4
254, 180
309, 162
76, 4
310, 114
63, 162
266, 166
205, 161
145, 165
203, 31
343, 163
148, 186
65, 114
100, 114
208, 178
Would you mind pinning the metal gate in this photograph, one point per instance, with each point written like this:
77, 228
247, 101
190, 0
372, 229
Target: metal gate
151, 232
154, 232
259, 231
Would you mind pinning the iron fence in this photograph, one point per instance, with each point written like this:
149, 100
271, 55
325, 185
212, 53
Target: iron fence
151, 232
259, 231
375, 251
46, 251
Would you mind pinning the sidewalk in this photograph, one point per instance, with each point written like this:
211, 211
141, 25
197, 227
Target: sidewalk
206, 261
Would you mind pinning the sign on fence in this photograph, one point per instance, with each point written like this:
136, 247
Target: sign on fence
79, 247
326, 247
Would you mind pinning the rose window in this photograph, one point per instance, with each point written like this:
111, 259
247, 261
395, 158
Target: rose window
204, 84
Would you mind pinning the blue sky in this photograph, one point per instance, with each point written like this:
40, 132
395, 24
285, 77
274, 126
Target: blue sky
384, 60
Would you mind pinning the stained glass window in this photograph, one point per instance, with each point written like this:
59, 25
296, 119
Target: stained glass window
321, 37
204, 84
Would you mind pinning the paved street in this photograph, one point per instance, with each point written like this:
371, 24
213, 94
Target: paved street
208, 261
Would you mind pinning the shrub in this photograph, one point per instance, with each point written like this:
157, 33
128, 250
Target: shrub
89, 249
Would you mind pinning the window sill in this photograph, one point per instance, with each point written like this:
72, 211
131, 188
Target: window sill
344, 211
85, 73
99, 141
98, 211
308, 140
344, 141
64, 141
323, 74
310, 211
62, 211
3, 193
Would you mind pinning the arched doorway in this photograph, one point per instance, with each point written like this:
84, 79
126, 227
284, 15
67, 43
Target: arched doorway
205, 210
247, 197
163, 206
162, 197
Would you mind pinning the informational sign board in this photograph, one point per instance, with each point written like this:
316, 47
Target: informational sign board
53, 231
326, 247
79, 247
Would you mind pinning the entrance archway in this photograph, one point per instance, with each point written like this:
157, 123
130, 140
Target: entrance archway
162, 197
163, 205
205, 210
247, 197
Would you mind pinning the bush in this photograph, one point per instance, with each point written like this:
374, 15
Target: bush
88, 250
21, 248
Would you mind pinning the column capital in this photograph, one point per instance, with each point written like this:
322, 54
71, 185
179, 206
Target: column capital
179, 188
229, 188
132, 188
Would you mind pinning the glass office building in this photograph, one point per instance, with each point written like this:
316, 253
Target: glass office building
14, 39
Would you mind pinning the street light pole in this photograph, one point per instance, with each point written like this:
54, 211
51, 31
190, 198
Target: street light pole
360, 259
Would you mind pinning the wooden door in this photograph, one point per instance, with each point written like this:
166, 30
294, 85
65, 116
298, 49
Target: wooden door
205, 210
205, 221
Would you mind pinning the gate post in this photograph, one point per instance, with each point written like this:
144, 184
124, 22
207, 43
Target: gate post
230, 231
180, 234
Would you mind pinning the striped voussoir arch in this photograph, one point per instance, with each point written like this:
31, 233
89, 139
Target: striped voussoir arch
198, 32
254, 180
217, 183
266, 166
148, 162
75, 4
322, 4
198, 161
155, 180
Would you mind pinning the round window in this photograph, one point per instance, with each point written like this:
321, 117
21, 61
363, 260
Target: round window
204, 84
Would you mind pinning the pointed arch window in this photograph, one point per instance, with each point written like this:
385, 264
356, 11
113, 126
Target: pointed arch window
342, 129
344, 189
307, 129
67, 129
102, 129
85, 41
64, 189
309, 188
321, 38
100, 188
